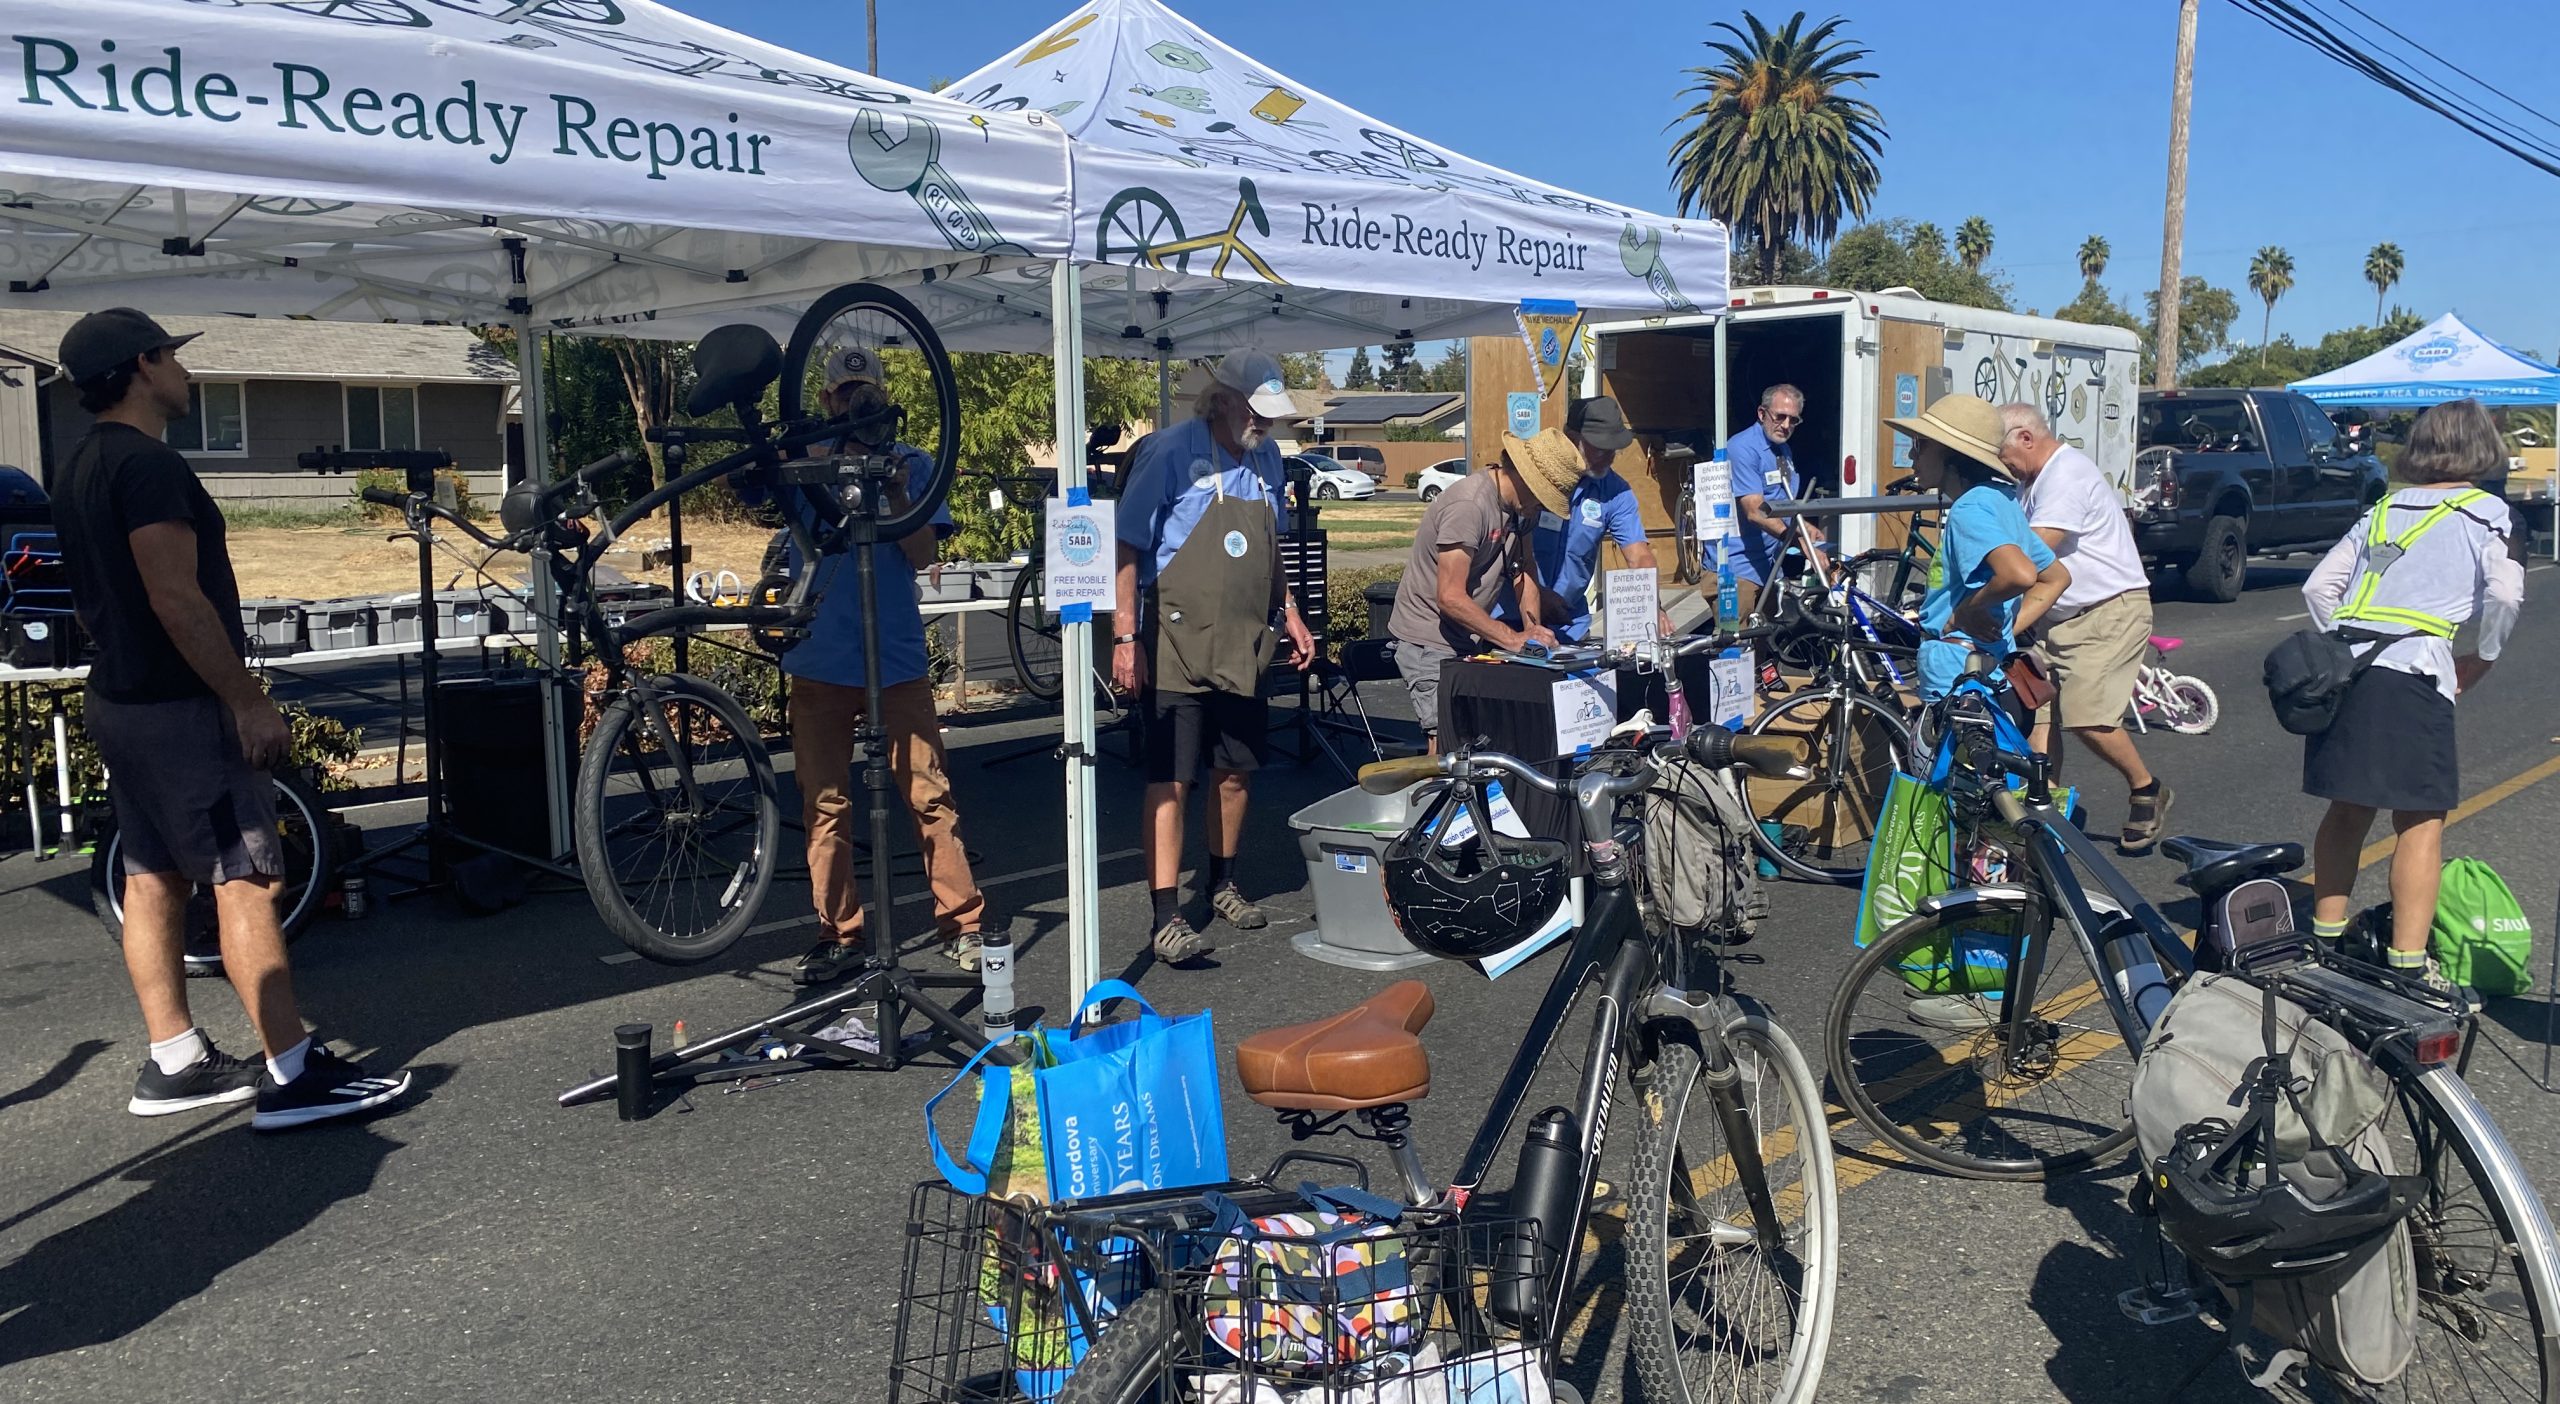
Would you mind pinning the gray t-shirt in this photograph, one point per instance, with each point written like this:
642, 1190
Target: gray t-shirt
1467, 516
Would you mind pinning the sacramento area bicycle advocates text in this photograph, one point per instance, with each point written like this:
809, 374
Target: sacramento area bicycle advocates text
1333, 227
159, 83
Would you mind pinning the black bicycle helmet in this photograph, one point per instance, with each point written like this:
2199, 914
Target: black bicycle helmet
1472, 899
2241, 1215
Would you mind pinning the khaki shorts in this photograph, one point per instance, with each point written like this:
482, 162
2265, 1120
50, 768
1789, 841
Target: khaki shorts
2095, 657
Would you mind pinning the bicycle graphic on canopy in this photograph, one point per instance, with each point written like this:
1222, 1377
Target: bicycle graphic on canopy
1139, 226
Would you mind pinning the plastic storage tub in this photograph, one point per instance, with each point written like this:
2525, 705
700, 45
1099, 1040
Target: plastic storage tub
335, 624
1344, 839
273, 627
995, 578
958, 578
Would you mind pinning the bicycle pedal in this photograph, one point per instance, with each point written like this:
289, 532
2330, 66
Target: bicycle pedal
2150, 1305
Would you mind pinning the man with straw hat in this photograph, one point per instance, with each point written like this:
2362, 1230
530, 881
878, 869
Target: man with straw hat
1468, 555
1993, 576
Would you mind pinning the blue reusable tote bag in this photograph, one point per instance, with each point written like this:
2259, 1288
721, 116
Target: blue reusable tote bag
1132, 1106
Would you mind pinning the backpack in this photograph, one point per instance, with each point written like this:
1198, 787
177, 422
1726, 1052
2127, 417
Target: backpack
1312, 1291
1701, 867
2481, 938
2309, 671
2358, 1318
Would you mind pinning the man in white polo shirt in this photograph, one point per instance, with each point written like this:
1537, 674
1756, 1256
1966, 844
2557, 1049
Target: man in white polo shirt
2094, 639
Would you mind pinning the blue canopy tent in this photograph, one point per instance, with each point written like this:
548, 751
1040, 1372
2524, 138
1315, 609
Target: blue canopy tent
2444, 360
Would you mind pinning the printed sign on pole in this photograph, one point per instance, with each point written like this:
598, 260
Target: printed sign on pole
1635, 607
1729, 691
1712, 486
1586, 707
1080, 562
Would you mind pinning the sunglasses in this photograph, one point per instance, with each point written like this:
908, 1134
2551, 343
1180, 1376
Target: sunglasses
1781, 420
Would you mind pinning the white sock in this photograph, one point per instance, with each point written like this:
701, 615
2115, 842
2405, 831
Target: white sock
176, 1055
286, 1066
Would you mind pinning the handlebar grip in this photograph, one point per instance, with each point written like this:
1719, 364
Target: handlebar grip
1387, 777
2029, 766
618, 458
1775, 757
385, 497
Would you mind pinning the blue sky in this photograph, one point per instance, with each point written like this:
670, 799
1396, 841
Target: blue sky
2051, 120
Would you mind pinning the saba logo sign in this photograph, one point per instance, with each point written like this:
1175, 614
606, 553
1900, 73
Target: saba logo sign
2433, 351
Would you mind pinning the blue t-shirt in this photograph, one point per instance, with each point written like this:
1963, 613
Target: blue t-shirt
1981, 522
1767, 471
832, 653
1569, 550
1178, 473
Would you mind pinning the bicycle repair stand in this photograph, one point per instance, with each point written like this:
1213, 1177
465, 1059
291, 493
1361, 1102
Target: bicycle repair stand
883, 984
436, 835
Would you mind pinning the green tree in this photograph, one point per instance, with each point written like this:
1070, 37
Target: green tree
1973, 242
1399, 371
2382, 268
1795, 265
1927, 241
2270, 277
1304, 370
2093, 258
1774, 145
1361, 376
2205, 315
1449, 374
2095, 307
1893, 254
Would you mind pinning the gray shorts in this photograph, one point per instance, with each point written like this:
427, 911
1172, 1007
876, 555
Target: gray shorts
186, 800
1420, 665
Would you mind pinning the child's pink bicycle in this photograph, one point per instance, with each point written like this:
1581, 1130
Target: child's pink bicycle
2181, 702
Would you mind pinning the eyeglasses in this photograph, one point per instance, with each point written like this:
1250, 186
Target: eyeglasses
1782, 420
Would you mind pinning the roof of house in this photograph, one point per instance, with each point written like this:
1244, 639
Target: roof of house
1384, 407
275, 348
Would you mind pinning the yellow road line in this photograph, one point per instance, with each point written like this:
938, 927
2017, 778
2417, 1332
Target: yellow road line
2499, 793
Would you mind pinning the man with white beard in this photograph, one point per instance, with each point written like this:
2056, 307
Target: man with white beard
1200, 591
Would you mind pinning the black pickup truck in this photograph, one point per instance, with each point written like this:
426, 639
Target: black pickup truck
2219, 475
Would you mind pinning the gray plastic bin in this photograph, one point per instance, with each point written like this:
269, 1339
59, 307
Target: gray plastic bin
336, 624
1344, 838
958, 578
395, 618
273, 627
995, 578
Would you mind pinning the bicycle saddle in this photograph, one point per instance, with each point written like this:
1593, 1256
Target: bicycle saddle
1369, 1055
2167, 645
2215, 867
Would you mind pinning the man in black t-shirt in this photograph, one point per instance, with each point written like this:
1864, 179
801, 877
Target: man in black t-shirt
187, 735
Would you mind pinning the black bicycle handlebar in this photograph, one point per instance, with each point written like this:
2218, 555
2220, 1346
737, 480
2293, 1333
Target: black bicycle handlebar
618, 459
384, 497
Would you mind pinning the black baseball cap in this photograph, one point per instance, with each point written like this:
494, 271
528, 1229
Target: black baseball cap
1599, 422
105, 341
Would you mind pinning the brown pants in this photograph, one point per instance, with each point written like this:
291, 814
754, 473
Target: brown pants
823, 720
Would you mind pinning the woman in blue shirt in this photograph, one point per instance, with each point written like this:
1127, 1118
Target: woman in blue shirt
1993, 577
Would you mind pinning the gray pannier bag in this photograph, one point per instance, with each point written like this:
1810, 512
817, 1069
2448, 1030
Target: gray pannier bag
1702, 869
2358, 1318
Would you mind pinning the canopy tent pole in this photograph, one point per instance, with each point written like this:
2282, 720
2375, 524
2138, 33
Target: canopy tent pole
1084, 900
1164, 390
534, 406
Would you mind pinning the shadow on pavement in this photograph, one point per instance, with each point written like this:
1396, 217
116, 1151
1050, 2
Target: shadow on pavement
57, 1076
214, 1198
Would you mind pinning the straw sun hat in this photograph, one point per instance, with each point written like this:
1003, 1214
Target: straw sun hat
1549, 464
1966, 424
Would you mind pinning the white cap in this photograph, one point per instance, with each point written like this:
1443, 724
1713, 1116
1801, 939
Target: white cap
846, 364
1257, 375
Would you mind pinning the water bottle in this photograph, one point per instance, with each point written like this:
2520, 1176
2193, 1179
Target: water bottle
1542, 1201
351, 897
2136, 970
1728, 590
995, 974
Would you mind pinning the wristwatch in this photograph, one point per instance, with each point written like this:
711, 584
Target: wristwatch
1119, 639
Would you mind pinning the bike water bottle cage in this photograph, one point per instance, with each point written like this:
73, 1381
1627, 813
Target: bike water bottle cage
2383, 550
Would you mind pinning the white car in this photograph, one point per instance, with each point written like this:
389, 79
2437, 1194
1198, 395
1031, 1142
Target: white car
1439, 476
1328, 480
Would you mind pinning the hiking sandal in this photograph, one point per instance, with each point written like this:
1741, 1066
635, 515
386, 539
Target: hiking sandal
1175, 942
2142, 825
1236, 909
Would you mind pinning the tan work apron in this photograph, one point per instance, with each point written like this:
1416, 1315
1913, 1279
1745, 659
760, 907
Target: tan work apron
1210, 621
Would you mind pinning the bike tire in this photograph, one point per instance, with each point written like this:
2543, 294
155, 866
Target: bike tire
622, 790
308, 836
1128, 1362
2190, 707
1032, 640
872, 316
1977, 1103
1767, 1365
1688, 566
1854, 763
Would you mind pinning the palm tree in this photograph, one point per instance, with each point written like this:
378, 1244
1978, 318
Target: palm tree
1775, 146
2382, 269
2093, 257
1973, 242
2270, 277
1928, 240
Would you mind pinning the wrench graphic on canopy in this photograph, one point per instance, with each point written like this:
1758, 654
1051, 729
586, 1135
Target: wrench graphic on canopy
902, 151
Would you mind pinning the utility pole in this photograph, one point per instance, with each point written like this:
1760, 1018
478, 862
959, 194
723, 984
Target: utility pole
2173, 233
871, 33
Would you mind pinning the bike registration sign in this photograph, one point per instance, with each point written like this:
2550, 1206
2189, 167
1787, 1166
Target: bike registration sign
1078, 564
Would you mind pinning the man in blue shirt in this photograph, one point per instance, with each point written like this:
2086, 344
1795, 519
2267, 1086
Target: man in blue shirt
1763, 469
828, 674
1199, 585
1601, 507
1993, 577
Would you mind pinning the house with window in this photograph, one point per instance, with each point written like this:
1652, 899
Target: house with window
267, 389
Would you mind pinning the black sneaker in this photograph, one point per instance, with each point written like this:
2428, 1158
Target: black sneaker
827, 961
330, 1086
215, 1080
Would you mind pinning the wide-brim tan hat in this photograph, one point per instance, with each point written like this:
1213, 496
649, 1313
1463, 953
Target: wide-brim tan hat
1968, 424
1549, 464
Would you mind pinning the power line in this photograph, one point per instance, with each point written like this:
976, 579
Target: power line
2285, 18
2483, 84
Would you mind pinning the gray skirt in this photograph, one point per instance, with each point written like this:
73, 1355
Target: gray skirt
2390, 748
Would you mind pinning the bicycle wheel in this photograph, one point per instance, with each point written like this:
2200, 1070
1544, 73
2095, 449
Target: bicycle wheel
304, 831
919, 376
1872, 574
1129, 1361
1825, 825
1032, 637
677, 828
1688, 567
2188, 705
2483, 1249
1922, 1056
1719, 1314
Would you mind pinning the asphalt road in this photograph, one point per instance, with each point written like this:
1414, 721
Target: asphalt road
484, 1243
